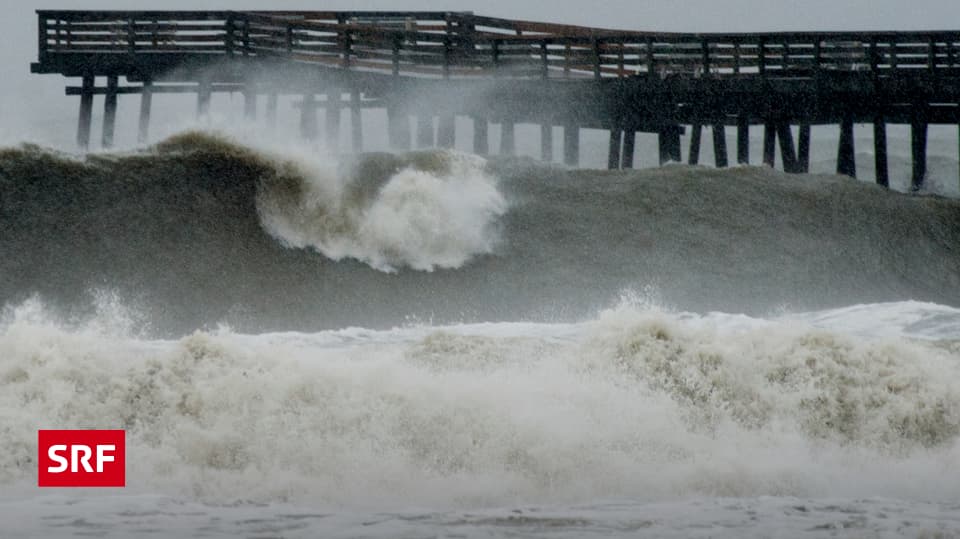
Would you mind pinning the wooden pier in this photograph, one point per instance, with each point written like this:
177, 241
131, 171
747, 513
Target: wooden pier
430, 67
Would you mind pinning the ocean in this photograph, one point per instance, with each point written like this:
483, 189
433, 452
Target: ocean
433, 344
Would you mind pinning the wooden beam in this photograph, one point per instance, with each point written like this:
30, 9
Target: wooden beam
481, 141
719, 145
447, 130
880, 151
629, 143
571, 145
425, 138
743, 140
203, 99
249, 102
769, 144
669, 143
803, 148
508, 145
846, 152
613, 151
398, 128
696, 133
146, 103
86, 113
308, 118
788, 153
332, 120
918, 144
356, 121
110, 112
272, 110
546, 142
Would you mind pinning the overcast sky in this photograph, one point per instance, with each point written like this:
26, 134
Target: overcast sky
28, 100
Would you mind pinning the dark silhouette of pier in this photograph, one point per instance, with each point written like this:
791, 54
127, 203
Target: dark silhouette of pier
422, 65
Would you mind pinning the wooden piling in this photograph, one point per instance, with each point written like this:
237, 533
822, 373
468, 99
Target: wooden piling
398, 128
308, 118
250, 102
272, 110
743, 140
880, 150
109, 112
846, 153
788, 153
332, 120
669, 143
629, 143
508, 144
425, 131
803, 148
546, 143
447, 130
571, 145
481, 141
203, 98
613, 152
86, 113
356, 121
146, 103
719, 145
918, 144
769, 144
696, 133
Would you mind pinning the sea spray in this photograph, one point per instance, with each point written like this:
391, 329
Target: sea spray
424, 211
644, 404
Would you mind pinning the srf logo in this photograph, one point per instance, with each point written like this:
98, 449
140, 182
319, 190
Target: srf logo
81, 458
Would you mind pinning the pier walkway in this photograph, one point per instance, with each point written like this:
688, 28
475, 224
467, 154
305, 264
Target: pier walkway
426, 65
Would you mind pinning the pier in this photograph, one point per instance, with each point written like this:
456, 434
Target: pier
427, 68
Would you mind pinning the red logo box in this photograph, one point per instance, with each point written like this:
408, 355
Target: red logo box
81, 458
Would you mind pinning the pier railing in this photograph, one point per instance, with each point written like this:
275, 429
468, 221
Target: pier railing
460, 44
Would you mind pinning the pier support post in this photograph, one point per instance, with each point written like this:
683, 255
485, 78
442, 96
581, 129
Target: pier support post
846, 152
546, 142
769, 144
398, 129
481, 140
669, 143
146, 103
447, 130
613, 152
880, 150
508, 144
356, 121
308, 118
629, 143
571, 145
788, 152
803, 148
720, 145
696, 133
425, 131
86, 113
203, 99
272, 110
109, 112
250, 102
918, 144
743, 140
332, 120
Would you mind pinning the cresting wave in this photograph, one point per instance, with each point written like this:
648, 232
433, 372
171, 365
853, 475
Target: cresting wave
637, 403
199, 230
424, 210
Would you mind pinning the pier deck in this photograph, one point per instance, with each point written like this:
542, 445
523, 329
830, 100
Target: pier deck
426, 64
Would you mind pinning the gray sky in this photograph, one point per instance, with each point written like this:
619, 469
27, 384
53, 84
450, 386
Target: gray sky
29, 102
